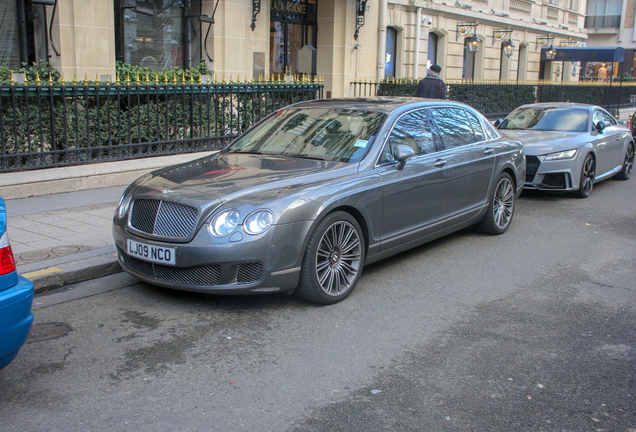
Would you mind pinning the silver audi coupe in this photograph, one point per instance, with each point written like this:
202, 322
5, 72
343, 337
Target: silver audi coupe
308, 196
569, 146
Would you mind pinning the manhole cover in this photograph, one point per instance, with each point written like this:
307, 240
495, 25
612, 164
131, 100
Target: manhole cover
34, 256
65, 250
45, 254
47, 331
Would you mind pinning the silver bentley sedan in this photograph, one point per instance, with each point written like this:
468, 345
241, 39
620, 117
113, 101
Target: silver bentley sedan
308, 196
569, 147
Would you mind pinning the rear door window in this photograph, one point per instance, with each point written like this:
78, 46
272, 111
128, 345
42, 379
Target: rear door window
453, 126
477, 129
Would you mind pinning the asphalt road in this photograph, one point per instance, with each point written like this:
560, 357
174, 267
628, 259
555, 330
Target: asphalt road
533, 330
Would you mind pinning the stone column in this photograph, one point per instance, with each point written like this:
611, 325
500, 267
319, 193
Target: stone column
83, 33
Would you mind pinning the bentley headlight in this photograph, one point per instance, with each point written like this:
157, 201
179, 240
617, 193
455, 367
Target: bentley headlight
124, 204
224, 223
561, 155
258, 222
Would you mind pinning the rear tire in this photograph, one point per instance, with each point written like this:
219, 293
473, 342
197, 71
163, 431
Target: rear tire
333, 260
501, 208
586, 182
628, 164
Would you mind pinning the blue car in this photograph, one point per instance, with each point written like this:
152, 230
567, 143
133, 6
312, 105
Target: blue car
16, 298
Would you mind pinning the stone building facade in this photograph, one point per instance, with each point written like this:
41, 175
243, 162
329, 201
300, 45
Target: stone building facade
348, 40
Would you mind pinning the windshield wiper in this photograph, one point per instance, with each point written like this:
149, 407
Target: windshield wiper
309, 157
246, 152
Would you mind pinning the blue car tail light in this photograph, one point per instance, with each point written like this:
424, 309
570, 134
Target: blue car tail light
7, 262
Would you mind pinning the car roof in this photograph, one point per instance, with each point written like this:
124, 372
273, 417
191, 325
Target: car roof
378, 104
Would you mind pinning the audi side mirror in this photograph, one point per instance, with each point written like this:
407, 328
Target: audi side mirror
600, 126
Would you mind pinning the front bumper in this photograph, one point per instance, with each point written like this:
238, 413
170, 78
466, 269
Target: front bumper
269, 262
16, 319
558, 175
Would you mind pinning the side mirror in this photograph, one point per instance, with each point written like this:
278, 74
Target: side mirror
401, 153
600, 126
498, 122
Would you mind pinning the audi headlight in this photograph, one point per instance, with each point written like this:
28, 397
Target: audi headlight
561, 155
123, 206
258, 222
224, 223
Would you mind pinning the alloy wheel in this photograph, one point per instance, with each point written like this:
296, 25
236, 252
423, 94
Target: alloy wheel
588, 175
629, 160
503, 203
338, 258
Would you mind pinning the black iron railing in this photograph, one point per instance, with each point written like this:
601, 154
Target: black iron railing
51, 126
498, 99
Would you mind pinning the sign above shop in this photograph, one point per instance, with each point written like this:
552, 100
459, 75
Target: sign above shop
292, 10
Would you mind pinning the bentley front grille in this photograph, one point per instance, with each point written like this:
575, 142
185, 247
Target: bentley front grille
199, 275
247, 273
163, 218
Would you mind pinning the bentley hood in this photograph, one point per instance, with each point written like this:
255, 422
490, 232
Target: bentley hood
229, 176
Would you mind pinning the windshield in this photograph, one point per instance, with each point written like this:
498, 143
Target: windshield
314, 133
548, 119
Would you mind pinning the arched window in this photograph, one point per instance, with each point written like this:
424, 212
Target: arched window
391, 50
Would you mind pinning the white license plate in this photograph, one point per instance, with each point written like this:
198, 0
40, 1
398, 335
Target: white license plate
156, 254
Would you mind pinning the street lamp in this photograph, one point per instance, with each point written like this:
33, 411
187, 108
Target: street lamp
508, 47
550, 53
473, 43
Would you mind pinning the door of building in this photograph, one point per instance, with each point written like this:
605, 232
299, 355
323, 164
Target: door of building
292, 26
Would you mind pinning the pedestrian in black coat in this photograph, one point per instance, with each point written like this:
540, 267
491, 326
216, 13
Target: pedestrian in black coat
432, 87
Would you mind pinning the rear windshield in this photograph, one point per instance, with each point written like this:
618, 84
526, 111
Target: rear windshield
313, 133
548, 119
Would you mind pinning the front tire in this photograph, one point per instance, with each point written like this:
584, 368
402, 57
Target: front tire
628, 164
586, 183
333, 260
501, 208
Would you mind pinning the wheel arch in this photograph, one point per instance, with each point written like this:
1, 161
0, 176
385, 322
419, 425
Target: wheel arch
511, 172
354, 212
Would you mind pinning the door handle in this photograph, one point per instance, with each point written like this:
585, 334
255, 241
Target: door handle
489, 151
440, 163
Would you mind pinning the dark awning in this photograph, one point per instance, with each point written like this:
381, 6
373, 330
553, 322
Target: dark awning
572, 54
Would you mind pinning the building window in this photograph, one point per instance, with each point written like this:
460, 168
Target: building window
23, 34
603, 14
391, 50
159, 34
292, 26
432, 49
